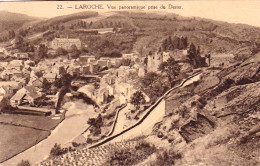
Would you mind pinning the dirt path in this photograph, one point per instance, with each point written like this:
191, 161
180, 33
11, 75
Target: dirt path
120, 124
72, 126
146, 126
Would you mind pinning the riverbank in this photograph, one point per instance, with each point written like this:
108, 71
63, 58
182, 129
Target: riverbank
73, 124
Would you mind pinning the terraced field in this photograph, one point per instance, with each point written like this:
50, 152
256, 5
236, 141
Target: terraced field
87, 157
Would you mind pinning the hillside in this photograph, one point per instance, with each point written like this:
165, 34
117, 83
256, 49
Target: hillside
212, 36
14, 21
212, 121
217, 118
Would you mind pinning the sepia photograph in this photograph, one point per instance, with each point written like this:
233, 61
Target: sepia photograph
133, 83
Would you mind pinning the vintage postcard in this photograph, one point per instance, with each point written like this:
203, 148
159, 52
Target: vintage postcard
122, 83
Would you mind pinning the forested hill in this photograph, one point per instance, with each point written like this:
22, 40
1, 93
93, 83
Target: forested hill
14, 21
144, 32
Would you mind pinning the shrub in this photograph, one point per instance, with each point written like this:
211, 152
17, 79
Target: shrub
57, 150
75, 144
166, 158
24, 163
131, 156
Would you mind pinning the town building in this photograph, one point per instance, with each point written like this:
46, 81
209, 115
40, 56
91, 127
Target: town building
104, 63
22, 55
26, 95
50, 77
16, 64
85, 58
127, 56
3, 102
115, 61
156, 59
65, 43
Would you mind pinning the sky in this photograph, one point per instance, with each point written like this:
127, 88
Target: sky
233, 11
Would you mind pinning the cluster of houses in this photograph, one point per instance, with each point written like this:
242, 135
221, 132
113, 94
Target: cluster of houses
22, 80
27, 79
114, 84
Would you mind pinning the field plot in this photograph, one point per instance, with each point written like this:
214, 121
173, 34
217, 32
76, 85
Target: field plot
39, 122
15, 139
20, 132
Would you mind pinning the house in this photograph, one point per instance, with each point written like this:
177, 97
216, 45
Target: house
65, 43
38, 83
141, 71
115, 61
3, 91
102, 95
51, 52
127, 56
3, 102
108, 79
50, 77
104, 63
156, 59
29, 63
11, 85
22, 55
85, 69
93, 68
122, 70
85, 58
26, 95
2, 50
4, 64
11, 74
131, 56
105, 58
92, 60
18, 97
16, 64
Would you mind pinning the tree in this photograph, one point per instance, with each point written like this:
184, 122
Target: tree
171, 68
125, 62
39, 74
56, 150
194, 57
137, 99
91, 23
176, 42
97, 123
18, 41
61, 51
192, 53
24, 163
154, 85
41, 52
11, 34
74, 52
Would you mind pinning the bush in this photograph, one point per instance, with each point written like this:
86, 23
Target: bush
57, 150
166, 158
75, 144
24, 163
131, 156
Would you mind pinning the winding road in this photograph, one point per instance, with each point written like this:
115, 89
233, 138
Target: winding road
153, 115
